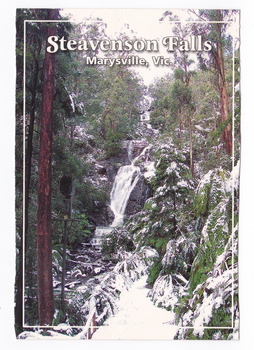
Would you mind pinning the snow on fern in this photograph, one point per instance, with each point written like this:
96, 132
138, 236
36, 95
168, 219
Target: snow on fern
215, 296
234, 179
149, 170
163, 292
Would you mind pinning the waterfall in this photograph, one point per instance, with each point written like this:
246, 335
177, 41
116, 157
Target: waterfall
125, 181
100, 232
130, 151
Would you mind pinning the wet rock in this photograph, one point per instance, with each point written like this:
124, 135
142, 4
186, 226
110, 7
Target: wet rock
100, 169
102, 215
139, 195
138, 146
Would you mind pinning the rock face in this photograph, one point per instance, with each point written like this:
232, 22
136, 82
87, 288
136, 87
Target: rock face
102, 174
102, 214
139, 195
136, 147
138, 152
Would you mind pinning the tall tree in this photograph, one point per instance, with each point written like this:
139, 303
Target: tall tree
219, 64
44, 239
35, 34
216, 32
183, 106
183, 61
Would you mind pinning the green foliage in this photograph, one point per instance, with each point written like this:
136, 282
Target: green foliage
214, 201
79, 232
181, 95
57, 258
210, 191
73, 314
214, 237
154, 271
167, 215
213, 274
119, 95
159, 121
64, 162
118, 240
202, 199
112, 144
160, 117
161, 244
179, 256
86, 195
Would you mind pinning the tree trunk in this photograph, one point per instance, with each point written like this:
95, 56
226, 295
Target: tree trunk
44, 239
28, 160
29, 151
19, 288
29, 146
227, 135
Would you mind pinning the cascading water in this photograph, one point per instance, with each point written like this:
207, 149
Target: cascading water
87, 265
125, 181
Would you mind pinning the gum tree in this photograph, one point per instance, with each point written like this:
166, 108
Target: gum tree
44, 239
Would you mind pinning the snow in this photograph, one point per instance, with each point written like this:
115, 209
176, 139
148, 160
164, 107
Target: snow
163, 293
71, 100
36, 335
234, 180
218, 286
198, 127
150, 170
138, 318
161, 190
182, 183
173, 166
205, 180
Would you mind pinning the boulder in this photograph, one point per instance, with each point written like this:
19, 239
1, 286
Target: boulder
102, 215
138, 196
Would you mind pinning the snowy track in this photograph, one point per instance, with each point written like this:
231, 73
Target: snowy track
138, 318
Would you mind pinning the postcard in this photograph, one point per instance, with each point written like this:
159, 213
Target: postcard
127, 174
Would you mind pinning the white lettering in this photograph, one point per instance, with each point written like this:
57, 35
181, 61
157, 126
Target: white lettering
54, 46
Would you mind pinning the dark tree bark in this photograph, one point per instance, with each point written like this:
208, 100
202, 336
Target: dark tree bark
216, 30
29, 145
187, 80
227, 136
44, 239
220, 68
28, 163
19, 288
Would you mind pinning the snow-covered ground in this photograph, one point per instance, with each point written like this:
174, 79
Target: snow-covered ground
138, 318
